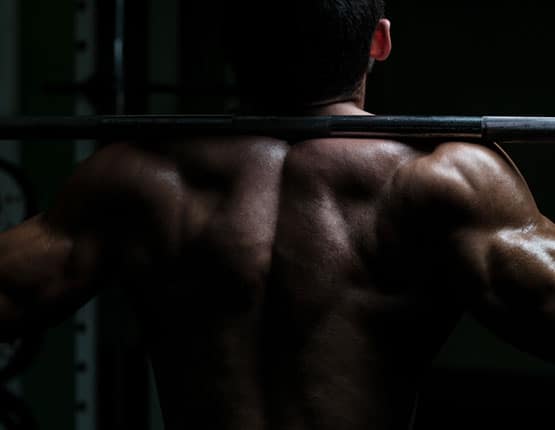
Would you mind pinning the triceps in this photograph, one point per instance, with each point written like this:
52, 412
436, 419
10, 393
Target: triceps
517, 296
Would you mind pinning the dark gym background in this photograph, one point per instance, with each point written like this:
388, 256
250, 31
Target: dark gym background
462, 58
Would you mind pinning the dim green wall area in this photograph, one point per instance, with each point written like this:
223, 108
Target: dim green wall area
47, 56
472, 347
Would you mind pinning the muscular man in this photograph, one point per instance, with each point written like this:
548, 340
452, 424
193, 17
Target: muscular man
292, 285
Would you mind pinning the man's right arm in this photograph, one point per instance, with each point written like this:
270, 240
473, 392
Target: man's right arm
118, 216
499, 250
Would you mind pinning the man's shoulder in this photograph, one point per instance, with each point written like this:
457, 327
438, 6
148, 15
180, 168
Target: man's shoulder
454, 164
126, 175
461, 180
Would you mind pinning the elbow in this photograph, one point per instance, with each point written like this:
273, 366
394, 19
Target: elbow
548, 307
10, 321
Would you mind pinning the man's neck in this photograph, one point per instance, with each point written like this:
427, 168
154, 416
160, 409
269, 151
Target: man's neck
324, 109
332, 109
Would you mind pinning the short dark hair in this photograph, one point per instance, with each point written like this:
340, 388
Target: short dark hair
300, 51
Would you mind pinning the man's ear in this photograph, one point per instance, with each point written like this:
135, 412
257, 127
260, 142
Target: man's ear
381, 41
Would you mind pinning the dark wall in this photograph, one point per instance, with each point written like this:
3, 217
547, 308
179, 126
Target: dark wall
469, 57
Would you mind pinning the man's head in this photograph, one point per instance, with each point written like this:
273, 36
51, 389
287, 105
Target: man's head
298, 53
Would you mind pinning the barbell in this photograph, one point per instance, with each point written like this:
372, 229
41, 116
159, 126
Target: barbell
468, 128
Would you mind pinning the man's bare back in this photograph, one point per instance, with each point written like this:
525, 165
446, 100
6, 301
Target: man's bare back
285, 309
290, 286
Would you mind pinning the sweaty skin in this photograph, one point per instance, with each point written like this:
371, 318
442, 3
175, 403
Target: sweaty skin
290, 286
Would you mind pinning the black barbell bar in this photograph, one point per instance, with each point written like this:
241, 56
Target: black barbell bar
472, 128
